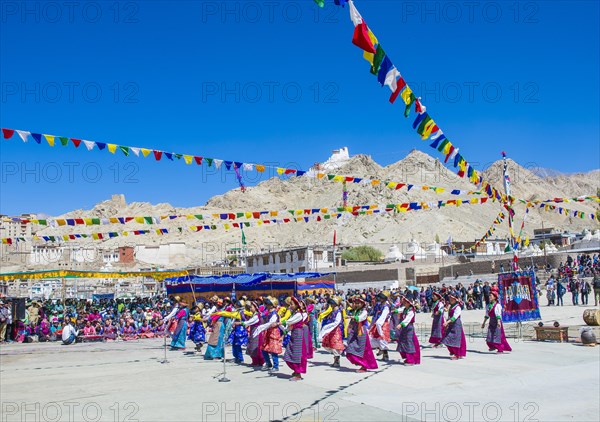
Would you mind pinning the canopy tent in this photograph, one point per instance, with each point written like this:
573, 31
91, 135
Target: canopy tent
193, 287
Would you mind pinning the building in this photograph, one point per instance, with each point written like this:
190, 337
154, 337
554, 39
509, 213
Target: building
560, 239
16, 228
294, 260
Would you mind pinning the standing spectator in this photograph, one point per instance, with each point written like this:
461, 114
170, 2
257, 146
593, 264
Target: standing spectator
486, 293
477, 293
5, 320
560, 292
596, 286
585, 291
574, 288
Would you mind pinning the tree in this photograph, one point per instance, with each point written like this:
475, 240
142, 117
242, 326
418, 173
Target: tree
362, 253
437, 239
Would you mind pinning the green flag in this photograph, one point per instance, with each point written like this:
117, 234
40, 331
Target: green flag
243, 237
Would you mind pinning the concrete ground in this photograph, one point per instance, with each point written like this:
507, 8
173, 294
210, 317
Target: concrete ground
125, 381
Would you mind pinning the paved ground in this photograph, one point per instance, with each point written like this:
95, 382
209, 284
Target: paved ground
125, 381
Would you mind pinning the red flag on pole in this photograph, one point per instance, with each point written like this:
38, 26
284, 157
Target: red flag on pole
412, 258
334, 240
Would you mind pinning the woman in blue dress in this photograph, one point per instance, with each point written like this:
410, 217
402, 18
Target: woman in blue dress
197, 332
215, 348
180, 333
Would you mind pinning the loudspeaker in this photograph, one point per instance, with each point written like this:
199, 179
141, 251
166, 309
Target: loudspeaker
19, 308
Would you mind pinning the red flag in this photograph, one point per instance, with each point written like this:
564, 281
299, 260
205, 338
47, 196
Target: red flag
334, 239
412, 258
7, 133
361, 38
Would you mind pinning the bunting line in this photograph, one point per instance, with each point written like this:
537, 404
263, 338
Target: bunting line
389, 208
388, 74
236, 166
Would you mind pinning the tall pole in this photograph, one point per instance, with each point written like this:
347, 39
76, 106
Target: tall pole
508, 205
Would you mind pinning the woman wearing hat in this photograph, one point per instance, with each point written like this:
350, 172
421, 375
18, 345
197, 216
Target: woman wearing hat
437, 325
332, 328
238, 336
359, 351
180, 333
295, 353
313, 323
215, 348
380, 330
496, 339
254, 342
271, 345
408, 344
454, 338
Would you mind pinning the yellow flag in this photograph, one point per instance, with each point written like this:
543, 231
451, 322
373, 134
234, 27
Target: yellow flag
125, 234
112, 148
280, 171
428, 129
338, 178
370, 56
260, 168
88, 221
273, 213
248, 214
65, 237
50, 139
324, 210
320, 175
406, 95
447, 148
392, 185
139, 220
95, 236
188, 159
61, 222
375, 182
527, 241
114, 220
146, 152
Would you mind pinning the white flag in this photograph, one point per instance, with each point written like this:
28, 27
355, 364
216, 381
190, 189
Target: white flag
354, 15
89, 145
23, 134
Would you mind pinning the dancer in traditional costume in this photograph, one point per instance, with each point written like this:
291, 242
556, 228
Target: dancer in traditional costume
408, 344
496, 339
239, 334
296, 351
358, 350
313, 322
437, 325
180, 333
271, 345
454, 337
215, 348
197, 331
331, 330
380, 327
254, 342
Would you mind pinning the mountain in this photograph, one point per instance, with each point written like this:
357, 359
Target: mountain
464, 223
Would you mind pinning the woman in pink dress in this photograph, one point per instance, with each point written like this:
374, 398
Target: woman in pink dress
496, 339
358, 350
295, 353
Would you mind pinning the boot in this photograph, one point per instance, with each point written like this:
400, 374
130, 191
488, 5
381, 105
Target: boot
336, 362
385, 356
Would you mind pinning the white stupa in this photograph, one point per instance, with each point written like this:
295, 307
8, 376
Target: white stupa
433, 250
394, 254
414, 249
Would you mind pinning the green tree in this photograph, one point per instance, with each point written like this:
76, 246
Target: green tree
437, 239
362, 253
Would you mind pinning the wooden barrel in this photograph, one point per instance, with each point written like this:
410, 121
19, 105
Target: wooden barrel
592, 317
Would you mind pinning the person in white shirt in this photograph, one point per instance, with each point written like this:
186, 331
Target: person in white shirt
69, 333
380, 329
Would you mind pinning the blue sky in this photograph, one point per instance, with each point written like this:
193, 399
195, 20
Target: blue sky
280, 82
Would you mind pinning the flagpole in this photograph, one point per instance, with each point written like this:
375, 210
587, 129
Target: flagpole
334, 265
508, 203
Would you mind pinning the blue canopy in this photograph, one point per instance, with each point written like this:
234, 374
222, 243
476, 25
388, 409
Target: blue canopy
242, 279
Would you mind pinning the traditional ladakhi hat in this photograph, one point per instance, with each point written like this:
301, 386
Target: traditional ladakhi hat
437, 294
382, 296
359, 300
298, 304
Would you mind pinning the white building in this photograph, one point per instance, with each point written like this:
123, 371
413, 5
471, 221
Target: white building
295, 260
167, 254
